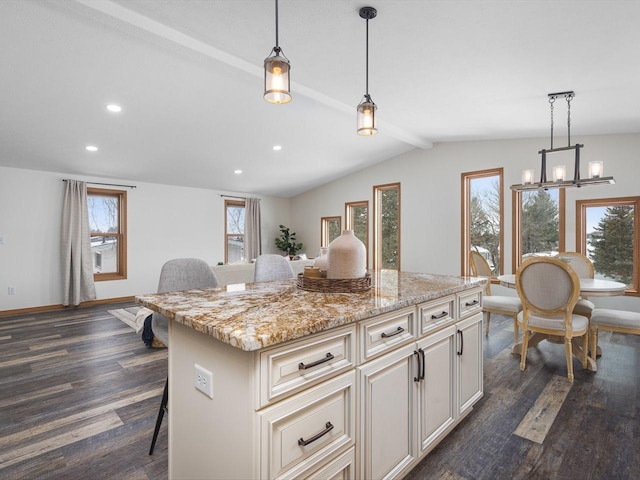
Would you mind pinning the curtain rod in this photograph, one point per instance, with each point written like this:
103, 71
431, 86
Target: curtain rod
233, 196
106, 184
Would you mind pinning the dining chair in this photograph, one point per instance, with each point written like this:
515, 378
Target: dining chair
549, 290
177, 275
614, 321
584, 269
500, 304
271, 267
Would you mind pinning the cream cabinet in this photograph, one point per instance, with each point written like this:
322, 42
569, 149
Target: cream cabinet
366, 400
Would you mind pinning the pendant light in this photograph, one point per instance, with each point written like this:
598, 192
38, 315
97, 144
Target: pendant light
276, 73
366, 108
595, 168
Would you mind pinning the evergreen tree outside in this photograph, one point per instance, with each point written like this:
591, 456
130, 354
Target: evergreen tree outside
484, 221
359, 222
539, 231
389, 223
611, 244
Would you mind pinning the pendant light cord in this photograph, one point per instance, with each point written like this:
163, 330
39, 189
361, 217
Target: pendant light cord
277, 43
367, 62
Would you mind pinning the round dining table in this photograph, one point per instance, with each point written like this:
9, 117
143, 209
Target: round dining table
589, 287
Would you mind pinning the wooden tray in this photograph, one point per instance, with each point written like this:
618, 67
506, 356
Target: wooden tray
334, 285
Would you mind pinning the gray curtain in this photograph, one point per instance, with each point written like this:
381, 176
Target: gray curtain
77, 265
252, 229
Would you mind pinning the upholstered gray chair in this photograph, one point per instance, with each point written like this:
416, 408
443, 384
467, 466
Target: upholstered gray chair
548, 289
500, 304
584, 269
271, 267
177, 275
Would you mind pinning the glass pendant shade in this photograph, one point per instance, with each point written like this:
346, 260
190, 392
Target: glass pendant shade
527, 177
595, 169
367, 117
276, 78
559, 173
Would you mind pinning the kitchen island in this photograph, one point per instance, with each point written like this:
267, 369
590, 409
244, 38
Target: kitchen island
318, 385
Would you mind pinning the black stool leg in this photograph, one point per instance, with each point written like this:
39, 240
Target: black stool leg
163, 408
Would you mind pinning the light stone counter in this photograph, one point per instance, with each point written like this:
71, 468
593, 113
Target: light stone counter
256, 315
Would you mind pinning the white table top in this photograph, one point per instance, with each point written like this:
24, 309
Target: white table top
589, 287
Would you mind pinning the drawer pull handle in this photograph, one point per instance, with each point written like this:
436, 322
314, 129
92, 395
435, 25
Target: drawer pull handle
471, 304
461, 342
327, 358
327, 428
397, 332
419, 377
440, 315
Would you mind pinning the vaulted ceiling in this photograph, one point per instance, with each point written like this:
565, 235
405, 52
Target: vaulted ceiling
188, 75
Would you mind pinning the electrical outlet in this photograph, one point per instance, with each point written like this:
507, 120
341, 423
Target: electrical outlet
11, 290
204, 380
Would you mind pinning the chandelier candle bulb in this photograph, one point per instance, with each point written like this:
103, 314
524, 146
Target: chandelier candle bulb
527, 177
595, 169
559, 173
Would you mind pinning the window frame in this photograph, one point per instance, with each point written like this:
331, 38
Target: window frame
234, 203
465, 187
516, 202
121, 235
581, 233
324, 229
377, 229
349, 207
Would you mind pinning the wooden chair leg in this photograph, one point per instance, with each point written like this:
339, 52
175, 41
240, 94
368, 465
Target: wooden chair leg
568, 353
593, 349
515, 329
163, 408
488, 320
585, 348
525, 346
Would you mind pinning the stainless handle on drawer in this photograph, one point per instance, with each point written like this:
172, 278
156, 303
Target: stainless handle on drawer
440, 315
471, 304
328, 357
327, 428
397, 332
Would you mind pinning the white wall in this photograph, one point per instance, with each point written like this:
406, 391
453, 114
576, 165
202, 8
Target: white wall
163, 222
431, 195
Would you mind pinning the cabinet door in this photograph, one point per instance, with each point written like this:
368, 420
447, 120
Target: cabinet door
387, 402
469, 359
436, 391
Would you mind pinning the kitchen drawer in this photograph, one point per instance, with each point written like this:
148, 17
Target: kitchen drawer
300, 434
297, 365
469, 303
435, 314
342, 468
385, 332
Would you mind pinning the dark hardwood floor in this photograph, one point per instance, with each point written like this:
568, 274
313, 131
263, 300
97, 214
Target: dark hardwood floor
79, 394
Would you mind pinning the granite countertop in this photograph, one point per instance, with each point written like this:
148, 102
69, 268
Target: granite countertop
256, 315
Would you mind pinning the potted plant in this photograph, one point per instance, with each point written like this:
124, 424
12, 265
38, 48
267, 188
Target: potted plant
287, 242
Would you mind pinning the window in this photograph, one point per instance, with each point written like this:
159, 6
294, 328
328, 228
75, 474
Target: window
538, 224
607, 233
386, 226
356, 218
483, 218
108, 224
233, 231
330, 229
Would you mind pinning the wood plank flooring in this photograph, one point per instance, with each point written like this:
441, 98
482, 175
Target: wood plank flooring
79, 394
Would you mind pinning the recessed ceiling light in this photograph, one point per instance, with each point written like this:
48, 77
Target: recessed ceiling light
237, 172
277, 148
112, 107
91, 148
